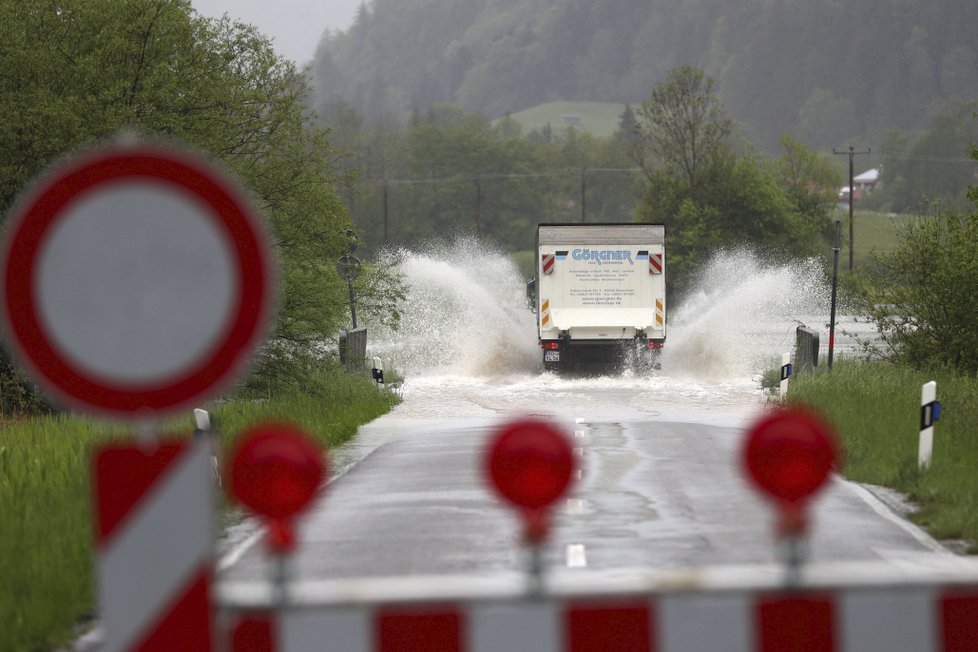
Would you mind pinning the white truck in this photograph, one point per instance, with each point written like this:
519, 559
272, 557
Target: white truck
600, 293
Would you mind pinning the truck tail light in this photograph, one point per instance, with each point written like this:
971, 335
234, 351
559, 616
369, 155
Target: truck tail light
551, 345
656, 344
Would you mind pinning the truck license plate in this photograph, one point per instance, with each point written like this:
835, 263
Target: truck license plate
551, 356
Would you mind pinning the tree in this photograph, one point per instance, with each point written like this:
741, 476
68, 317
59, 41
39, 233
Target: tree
739, 204
74, 73
809, 182
932, 168
924, 309
682, 126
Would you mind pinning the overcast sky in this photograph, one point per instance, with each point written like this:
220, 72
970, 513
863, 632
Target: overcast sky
295, 25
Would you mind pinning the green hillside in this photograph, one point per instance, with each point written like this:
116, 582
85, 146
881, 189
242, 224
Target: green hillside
596, 118
828, 72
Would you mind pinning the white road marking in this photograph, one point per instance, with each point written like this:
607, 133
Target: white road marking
236, 553
575, 506
576, 557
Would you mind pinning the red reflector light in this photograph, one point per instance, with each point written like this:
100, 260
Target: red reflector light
656, 344
276, 470
790, 454
530, 464
551, 346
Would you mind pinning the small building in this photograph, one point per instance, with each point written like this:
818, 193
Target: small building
862, 185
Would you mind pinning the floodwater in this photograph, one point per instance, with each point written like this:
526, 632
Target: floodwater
467, 346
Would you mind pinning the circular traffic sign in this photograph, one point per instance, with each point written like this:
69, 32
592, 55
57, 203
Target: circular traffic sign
530, 464
136, 280
348, 267
790, 454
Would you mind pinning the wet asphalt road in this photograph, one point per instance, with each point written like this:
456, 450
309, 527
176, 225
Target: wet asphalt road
652, 493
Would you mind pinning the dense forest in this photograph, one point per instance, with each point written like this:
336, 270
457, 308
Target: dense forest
828, 72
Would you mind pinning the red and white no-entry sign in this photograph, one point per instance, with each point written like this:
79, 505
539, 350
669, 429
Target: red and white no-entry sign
136, 280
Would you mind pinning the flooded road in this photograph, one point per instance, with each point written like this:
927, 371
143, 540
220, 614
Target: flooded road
660, 483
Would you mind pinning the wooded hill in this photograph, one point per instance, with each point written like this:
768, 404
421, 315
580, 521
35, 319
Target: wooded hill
832, 72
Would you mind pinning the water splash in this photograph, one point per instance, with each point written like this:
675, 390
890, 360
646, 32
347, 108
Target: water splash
467, 344
742, 315
465, 314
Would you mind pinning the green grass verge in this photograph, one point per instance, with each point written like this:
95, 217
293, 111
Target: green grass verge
46, 560
875, 408
872, 232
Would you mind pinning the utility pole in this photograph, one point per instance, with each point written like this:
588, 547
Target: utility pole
852, 152
835, 285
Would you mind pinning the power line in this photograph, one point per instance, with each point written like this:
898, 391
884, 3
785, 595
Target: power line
892, 153
503, 175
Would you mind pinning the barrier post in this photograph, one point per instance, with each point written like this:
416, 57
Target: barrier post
789, 455
930, 411
378, 372
530, 464
275, 472
785, 373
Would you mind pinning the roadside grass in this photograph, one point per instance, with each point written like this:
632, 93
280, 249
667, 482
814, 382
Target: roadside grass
875, 407
46, 556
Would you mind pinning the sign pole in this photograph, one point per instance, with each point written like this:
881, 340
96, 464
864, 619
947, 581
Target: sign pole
835, 284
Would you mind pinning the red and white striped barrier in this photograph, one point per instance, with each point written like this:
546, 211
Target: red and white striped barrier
869, 619
154, 530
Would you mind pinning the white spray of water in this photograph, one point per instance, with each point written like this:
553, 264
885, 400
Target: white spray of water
467, 344
742, 315
465, 314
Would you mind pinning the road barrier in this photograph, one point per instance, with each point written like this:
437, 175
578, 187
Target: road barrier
788, 455
171, 602
806, 348
715, 615
353, 349
154, 589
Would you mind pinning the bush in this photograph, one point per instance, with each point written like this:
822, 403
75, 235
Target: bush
925, 307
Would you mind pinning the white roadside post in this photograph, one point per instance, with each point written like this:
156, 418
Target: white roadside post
785, 373
378, 372
204, 430
930, 411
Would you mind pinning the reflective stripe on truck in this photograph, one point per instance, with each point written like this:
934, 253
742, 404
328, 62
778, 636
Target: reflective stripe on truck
548, 263
655, 263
